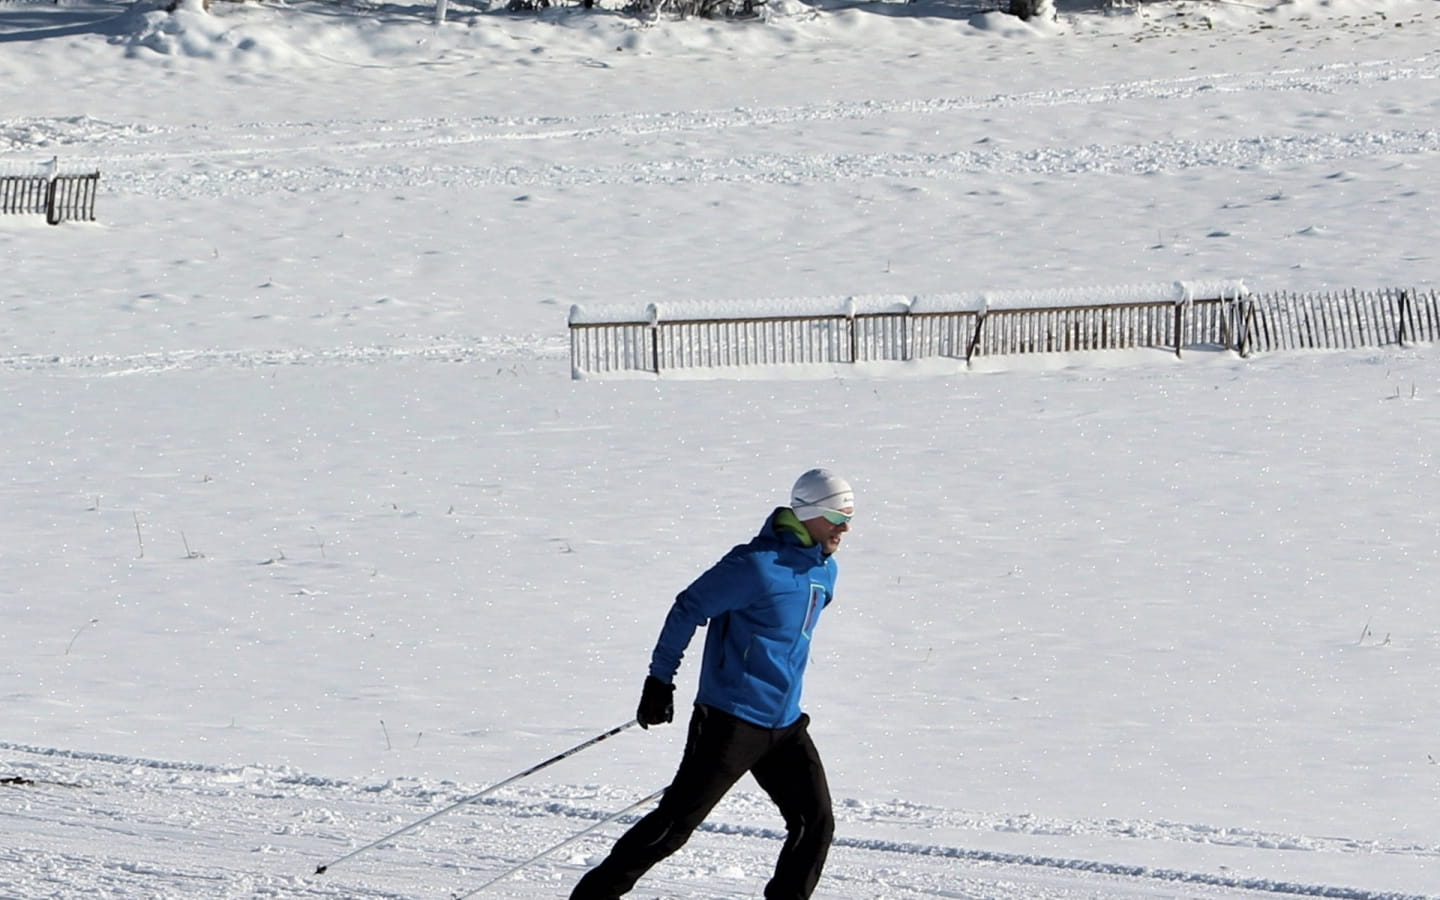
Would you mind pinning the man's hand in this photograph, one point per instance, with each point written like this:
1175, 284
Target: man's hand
657, 703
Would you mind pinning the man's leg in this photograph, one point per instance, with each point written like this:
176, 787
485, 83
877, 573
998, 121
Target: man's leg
718, 750
794, 777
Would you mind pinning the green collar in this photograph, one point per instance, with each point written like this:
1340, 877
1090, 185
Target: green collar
785, 520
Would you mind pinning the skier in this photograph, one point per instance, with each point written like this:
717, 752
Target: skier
761, 602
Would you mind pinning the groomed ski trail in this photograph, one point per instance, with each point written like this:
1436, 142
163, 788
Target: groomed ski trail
100, 825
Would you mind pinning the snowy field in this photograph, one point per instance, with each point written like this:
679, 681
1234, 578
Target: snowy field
309, 534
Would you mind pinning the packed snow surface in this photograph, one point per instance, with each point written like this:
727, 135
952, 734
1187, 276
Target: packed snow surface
309, 535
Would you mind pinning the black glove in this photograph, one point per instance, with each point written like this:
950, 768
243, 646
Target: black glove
657, 703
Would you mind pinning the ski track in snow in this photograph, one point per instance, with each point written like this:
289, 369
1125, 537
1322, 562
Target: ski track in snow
775, 168
128, 827
251, 158
457, 350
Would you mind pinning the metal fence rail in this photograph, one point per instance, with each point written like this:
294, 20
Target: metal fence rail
1248, 324
60, 198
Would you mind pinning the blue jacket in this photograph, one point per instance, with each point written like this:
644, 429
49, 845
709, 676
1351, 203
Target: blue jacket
761, 602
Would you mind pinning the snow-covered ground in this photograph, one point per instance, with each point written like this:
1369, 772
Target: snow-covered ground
309, 534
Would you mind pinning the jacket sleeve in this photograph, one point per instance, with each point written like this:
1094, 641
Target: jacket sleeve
729, 584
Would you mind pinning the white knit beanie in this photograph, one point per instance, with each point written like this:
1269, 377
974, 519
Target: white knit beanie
818, 490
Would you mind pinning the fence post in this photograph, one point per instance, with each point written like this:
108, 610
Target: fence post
975, 338
854, 331
1404, 313
654, 315
907, 336
1179, 327
51, 216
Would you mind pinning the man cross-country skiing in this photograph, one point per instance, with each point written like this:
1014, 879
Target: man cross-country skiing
760, 603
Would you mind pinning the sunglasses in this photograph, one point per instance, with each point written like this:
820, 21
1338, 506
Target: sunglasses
836, 517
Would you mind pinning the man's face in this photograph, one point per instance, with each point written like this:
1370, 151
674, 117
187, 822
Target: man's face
827, 530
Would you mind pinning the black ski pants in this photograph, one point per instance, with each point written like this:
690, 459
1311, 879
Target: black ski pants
718, 751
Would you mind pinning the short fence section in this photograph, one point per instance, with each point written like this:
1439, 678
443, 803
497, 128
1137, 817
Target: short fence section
59, 198
829, 331
1340, 321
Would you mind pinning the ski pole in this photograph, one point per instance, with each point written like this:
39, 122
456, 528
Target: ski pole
322, 869
565, 843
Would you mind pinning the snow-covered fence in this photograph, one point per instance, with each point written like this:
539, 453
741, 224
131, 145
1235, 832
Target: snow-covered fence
23, 194
834, 330
60, 198
838, 330
1173, 324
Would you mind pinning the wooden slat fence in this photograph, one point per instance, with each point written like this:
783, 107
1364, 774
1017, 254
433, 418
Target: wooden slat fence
72, 198
60, 198
1253, 323
707, 343
1340, 321
23, 194
1128, 326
